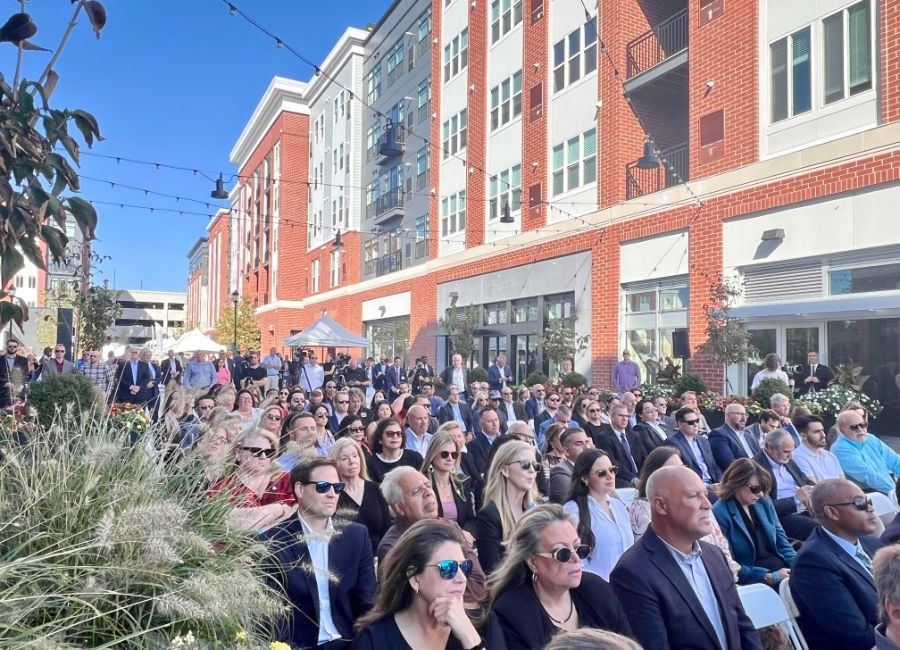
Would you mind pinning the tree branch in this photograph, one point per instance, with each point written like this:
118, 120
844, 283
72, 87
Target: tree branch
20, 59
62, 43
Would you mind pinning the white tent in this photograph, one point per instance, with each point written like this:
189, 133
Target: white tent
325, 333
196, 341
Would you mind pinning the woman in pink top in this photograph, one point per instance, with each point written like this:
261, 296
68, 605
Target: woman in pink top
223, 376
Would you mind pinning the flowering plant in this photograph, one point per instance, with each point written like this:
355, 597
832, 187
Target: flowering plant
129, 417
750, 405
831, 400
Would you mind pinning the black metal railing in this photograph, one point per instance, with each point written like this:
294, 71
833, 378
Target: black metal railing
391, 142
652, 48
390, 200
674, 171
388, 263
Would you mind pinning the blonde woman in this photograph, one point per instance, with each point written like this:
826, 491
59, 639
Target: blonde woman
441, 465
361, 500
509, 493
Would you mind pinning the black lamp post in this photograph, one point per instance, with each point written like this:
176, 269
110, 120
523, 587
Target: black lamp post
234, 301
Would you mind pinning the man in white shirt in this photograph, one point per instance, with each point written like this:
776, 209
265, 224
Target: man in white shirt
417, 436
811, 456
312, 375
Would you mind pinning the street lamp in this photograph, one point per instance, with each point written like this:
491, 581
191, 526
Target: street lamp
234, 301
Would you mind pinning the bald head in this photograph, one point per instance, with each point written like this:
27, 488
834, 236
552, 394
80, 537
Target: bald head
680, 508
663, 481
417, 419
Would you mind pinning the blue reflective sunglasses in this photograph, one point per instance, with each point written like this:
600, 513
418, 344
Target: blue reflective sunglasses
449, 568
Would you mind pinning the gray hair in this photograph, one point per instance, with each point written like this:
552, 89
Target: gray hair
886, 566
517, 426
391, 488
356, 392
778, 398
588, 639
564, 410
500, 356
773, 438
733, 407
617, 407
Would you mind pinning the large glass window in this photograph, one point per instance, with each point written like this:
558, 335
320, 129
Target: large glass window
791, 75
653, 312
505, 189
388, 337
506, 101
575, 162
505, 14
866, 279
847, 50
575, 56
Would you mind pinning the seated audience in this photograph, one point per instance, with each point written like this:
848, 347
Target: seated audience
455, 499
587, 639
388, 450
865, 459
574, 442
811, 456
732, 440
653, 433
623, 445
360, 500
886, 566
695, 449
791, 488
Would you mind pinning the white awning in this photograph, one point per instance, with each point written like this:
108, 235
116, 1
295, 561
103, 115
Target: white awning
860, 306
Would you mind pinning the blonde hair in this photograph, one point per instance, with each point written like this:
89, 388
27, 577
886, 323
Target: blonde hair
256, 432
437, 441
495, 489
338, 447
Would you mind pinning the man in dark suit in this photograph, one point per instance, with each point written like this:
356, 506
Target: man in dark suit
134, 375
311, 557
791, 488
171, 369
150, 394
534, 405
455, 409
812, 376
730, 440
695, 450
480, 448
457, 375
393, 377
499, 374
379, 374
511, 409
832, 581
423, 374
623, 445
677, 591
653, 433
13, 373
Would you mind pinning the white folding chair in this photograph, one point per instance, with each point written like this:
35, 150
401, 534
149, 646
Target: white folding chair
626, 495
765, 608
788, 599
884, 507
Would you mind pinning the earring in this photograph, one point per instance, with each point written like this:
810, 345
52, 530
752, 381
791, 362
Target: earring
533, 577
416, 589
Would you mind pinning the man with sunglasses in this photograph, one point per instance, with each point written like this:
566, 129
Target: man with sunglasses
865, 459
534, 405
326, 572
13, 373
832, 580
695, 450
624, 446
551, 404
59, 364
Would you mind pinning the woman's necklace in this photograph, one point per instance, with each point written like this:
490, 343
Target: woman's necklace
566, 619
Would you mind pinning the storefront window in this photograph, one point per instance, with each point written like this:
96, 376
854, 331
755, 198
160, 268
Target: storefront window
875, 345
389, 337
525, 311
653, 311
866, 279
640, 302
495, 314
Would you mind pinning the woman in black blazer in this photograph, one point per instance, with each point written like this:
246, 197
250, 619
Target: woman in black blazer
540, 589
451, 487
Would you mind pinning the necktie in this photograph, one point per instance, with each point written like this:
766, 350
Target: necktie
863, 557
628, 451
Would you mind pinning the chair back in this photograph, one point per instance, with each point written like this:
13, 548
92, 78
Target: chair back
787, 598
765, 608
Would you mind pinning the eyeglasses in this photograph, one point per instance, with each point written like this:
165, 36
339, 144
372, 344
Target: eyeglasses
690, 422
755, 489
449, 568
322, 487
603, 473
449, 454
342, 401
259, 452
564, 553
593, 410
553, 399
526, 465
274, 418
356, 429
861, 426
393, 434
860, 503
63, 352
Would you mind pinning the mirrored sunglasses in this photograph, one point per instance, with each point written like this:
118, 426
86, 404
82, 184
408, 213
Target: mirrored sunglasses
322, 487
449, 568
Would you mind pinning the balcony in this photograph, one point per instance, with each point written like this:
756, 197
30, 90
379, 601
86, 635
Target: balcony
646, 181
388, 263
389, 204
392, 141
657, 52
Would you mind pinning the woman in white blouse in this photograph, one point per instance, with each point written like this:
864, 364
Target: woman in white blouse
603, 522
771, 370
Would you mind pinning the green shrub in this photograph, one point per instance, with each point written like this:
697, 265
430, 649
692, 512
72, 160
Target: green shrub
689, 382
574, 380
768, 387
535, 378
52, 395
478, 374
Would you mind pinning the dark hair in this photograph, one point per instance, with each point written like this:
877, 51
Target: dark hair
739, 473
409, 557
578, 492
767, 415
244, 391
379, 433
306, 465
802, 422
568, 432
654, 460
683, 412
290, 421
346, 423
639, 407
377, 405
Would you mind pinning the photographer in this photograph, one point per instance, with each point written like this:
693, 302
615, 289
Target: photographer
424, 373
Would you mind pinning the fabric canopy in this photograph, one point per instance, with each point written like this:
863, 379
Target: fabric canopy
196, 341
325, 333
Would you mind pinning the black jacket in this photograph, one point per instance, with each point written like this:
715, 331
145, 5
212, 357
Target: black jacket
608, 441
464, 497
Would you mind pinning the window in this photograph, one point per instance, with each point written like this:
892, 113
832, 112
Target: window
504, 189
506, 101
423, 163
32, 282
525, 311
424, 98
373, 84
575, 56
314, 277
453, 213
791, 75
505, 14
847, 52
495, 313
653, 312
575, 162
454, 134
370, 252
864, 279
395, 62
335, 268
456, 55
421, 236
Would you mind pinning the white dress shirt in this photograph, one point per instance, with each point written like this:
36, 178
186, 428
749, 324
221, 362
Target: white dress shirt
612, 535
317, 543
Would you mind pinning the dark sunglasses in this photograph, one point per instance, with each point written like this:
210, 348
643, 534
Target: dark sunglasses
862, 426
526, 465
449, 454
755, 489
393, 434
342, 401
860, 503
593, 411
274, 418
603, 473
690, 421
564, 553
449, 568
322, 487
355, 429
259, 452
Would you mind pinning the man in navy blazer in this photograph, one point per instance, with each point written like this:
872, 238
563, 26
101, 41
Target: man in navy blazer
499, 374
690, 443
677, 591
832, 581
393, 377
730, 440
447, 412
133, 380
534, 405
311, 557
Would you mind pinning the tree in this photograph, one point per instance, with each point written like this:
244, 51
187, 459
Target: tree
97, 311
727, 340
460, 328
248, 334
36, 152
560, 341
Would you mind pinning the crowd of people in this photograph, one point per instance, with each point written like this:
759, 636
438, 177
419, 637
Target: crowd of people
409, 509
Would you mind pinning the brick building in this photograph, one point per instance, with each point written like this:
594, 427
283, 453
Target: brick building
493, 154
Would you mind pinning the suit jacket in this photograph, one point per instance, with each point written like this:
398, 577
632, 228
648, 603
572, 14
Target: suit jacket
480, 451
540, 418
445, 414
826, 581
518, 411
125, 381
147, 393
19, 375
379, 376
532, 408
496, 374
742, 542
608, 441
560, 481
649, 437
687, 455
823, 374
351, 595
48, 367
786, 506
726, 446
489, 536
463, 497
662, 608
447, 379
525, 623
393, 377
167, 365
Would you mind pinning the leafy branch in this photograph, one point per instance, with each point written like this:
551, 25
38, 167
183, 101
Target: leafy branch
727, 339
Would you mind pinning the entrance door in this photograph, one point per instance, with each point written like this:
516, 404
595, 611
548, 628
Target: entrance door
790, 342
525, 347
764, 340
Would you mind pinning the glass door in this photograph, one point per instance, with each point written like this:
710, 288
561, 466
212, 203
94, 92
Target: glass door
525, 362
765, 341
799, 342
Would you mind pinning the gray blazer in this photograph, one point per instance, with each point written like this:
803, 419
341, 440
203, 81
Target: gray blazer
560, 481
49, 368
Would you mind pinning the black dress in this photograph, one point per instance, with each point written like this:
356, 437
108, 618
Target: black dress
378, 468
372, 513
384, 634
765, 555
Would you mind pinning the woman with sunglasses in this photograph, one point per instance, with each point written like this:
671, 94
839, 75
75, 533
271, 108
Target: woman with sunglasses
260, 491
540, 588
603, 522
441, 465
361, 499
749, 522
388, 450
324, 437
509, 493
272, 418
579, 409
593, 418
420, 602
354, 427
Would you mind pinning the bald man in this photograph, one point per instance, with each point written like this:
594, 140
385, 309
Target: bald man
677, 591
417, 436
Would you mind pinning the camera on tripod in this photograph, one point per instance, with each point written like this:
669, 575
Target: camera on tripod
341, 361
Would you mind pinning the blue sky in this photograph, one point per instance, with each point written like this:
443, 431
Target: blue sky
172, 82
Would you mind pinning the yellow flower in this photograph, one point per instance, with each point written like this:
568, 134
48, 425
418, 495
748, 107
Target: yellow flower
278, 645
240, 635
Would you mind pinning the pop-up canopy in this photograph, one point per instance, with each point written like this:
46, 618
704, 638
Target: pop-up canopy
325, 333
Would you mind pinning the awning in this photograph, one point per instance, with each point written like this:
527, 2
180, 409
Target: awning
196, 341
325, 333
862, 306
